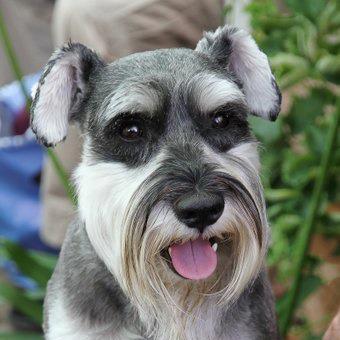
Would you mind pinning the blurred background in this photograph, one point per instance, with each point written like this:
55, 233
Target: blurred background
300, 152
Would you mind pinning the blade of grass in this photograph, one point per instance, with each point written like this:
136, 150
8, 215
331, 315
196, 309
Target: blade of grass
307, 230
44, 259
15, 66
26, 263
21, 336
17, 299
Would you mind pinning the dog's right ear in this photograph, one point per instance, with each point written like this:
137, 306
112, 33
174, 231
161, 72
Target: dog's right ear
234, 49
60, 91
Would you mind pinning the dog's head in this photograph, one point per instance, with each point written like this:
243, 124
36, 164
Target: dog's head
169, 186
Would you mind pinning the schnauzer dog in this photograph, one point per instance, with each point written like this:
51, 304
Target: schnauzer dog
171, 235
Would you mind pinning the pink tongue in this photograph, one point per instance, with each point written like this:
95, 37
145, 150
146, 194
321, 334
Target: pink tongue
194, 260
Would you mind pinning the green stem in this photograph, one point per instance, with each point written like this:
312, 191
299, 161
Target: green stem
307, 230
15, 66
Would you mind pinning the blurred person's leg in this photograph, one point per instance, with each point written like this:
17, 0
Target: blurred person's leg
57, 209
115, 28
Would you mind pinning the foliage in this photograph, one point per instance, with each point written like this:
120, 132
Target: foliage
36, 265
302, 41
20, 336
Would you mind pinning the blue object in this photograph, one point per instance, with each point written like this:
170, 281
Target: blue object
11, 95
20, 210
21, 160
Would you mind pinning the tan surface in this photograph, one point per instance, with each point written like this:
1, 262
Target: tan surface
28, 23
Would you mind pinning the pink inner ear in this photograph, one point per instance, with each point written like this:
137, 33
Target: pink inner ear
51, 112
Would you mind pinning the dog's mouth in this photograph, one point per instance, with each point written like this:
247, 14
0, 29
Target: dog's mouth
193, 259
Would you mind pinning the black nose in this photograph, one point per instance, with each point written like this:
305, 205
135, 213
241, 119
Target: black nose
199, 210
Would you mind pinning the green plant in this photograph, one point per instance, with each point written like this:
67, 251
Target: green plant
38, 266
301, 163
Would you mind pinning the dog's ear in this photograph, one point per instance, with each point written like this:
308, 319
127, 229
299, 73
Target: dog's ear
235, 50
61, 90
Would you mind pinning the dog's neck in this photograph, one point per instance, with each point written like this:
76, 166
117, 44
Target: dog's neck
195, 311
201, 322
110, 309
209, 320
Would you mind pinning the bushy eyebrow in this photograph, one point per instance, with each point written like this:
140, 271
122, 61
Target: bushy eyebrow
211, 93
238, 107
133, 97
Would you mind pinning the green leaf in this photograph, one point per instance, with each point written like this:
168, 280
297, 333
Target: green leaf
37, 294
274, 210
329, 67
305, 110
288, 222
336, 252
17, 298
26, 263
306, 36
298, 170
279, 195
21, 336
335, 217
309, 284
267, 132
313, 337
325, 17
310, 9
331, 230
288, 60
314, 140
293, 77
44, 259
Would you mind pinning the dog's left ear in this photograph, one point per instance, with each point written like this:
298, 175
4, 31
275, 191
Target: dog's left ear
61, 90
235, 50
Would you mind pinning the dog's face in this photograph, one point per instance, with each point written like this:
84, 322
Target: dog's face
169, 186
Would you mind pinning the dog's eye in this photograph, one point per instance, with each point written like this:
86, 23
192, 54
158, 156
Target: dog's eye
220, 120
131, 131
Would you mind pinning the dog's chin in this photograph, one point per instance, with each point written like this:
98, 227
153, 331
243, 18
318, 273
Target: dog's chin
214, 249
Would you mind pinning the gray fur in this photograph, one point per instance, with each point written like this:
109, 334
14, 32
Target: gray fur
94, 295
176, 127
92, 292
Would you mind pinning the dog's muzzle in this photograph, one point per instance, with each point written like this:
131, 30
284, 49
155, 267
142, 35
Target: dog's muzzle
196, 259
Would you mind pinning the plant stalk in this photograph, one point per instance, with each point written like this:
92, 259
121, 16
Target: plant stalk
303, 241
16, 69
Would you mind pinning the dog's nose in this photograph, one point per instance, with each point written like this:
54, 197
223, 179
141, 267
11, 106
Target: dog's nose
199, 210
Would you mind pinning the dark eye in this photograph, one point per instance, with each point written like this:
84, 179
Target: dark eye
220, 120
131, 131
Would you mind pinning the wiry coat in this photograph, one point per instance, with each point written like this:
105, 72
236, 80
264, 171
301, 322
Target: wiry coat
187, 111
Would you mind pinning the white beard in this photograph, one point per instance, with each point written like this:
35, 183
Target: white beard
170, 307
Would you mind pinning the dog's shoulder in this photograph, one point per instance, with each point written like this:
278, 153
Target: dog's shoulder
254, 312
83, 282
